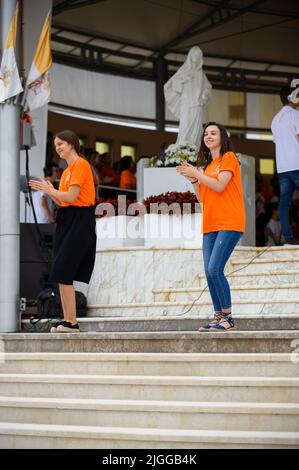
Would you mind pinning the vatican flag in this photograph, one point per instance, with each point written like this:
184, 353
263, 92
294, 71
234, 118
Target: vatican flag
10, 83
38, 81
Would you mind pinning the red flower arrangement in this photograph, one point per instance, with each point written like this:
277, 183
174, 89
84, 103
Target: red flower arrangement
166, 203
175, 202
114, 206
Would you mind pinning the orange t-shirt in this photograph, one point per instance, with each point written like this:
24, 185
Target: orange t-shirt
225, 210
127, 179
79, 173
107, 171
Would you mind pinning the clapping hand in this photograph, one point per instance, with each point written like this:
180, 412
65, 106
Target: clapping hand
187, 170
42, 185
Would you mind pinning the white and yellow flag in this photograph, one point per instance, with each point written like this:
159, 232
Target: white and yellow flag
10, 83
38, 81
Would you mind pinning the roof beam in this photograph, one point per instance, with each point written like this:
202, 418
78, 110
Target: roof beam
67, 5
260, 11
217, 16
91, 47
61, 28
150, 57
223, 78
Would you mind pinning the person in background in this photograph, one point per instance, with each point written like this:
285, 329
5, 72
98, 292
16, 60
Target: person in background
91, 155
285, 130
273, 230
263, 188
260, 220
75, 238
116, 168
52, 172
107, 174
127, 173
44, 207
218, 186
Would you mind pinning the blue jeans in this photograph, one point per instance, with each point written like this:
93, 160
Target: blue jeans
288, 181
217, 248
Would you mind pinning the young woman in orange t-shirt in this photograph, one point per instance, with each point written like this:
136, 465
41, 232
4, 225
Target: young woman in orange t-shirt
218, 186
75, 237
127, 168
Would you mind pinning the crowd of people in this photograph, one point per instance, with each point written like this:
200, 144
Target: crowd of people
119, 174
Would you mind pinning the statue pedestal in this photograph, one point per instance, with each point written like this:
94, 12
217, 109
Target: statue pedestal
161, 180
172, 230
150, 230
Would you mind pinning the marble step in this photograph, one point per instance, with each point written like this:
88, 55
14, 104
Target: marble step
46, 436
237, 365
175, 323
155, 342
264, 264
261, 278
265, 252
171, 388
228, 416
249, 292
203, 307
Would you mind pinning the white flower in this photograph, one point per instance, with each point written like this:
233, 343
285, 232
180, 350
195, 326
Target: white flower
176, 153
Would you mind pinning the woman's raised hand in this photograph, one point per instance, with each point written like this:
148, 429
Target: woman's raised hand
42, 185
187, 170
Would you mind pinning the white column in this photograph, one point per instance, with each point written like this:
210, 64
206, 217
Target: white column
9, 199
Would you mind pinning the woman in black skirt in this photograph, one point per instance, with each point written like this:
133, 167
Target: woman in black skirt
75, 238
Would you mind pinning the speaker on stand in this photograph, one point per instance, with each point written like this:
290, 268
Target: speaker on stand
35, 258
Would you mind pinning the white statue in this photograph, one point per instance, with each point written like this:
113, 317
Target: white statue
187, 93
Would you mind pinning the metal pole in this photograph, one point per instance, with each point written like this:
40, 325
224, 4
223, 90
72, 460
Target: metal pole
9, 199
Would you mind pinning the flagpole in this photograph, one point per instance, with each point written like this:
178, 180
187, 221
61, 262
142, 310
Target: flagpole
9, 198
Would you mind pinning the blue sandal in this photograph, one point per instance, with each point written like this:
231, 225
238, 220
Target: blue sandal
214, 322
226, 323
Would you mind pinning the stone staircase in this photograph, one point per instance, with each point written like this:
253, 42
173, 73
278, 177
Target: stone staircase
146, 400
155, 283
140, 375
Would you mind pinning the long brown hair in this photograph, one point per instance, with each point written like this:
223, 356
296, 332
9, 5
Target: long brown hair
204, 155
71, 138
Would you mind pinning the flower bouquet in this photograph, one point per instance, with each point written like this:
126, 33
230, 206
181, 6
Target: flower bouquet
174, 155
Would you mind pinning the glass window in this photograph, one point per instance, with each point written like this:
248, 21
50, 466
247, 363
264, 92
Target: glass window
82, 141
267, 166
130, 150
103, 146
259, 136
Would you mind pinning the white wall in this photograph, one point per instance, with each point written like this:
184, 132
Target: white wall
102, 92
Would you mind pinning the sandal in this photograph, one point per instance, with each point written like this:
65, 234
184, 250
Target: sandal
214, 322
226, 323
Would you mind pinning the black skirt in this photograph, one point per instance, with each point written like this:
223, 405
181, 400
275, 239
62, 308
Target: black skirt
74, 245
